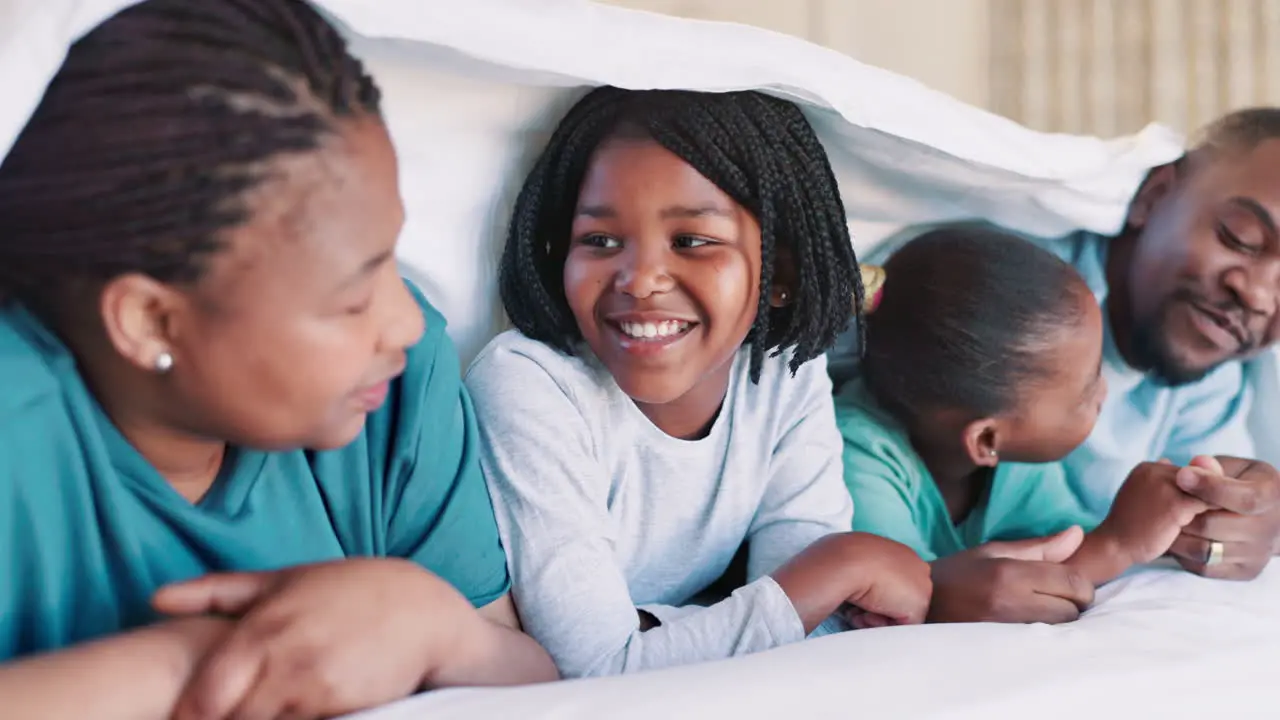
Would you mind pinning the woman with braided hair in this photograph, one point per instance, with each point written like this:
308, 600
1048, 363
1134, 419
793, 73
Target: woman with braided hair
676, 266
237, 469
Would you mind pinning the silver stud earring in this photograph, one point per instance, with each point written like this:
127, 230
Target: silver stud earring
783, 296
163, 362
991, 452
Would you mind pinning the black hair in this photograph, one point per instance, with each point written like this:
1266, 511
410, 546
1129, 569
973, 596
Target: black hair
1241, 130
964, 316
759, 150
157, 123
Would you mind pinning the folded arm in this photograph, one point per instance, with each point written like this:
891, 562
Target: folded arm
133, 676
551, 494
502, 656
571, 590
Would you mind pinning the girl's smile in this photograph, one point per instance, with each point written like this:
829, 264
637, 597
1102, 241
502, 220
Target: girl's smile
647, 333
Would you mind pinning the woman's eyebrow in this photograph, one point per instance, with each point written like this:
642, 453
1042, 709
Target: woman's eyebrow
365, 269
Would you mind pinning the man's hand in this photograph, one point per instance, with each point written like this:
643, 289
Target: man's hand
1245, 497
323, 640
1011, 582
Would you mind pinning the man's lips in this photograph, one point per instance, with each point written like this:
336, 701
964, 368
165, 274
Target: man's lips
1227, 322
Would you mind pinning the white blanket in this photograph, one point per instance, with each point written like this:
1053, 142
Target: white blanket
474, 88
1159, 643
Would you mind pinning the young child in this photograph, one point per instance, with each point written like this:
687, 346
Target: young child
982, 370
238, 474
677, 264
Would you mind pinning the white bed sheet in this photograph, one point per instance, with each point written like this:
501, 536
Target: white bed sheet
1158, 643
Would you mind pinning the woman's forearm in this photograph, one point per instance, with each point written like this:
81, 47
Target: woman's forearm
497, 655
134, 676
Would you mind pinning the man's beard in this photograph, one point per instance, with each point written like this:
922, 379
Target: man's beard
1152, 352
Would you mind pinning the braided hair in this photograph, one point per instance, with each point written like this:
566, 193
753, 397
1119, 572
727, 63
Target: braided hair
140, 152
759, 150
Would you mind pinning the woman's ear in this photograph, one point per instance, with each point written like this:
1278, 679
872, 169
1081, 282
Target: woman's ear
784, 278
982, 441
1160, 184
138, 316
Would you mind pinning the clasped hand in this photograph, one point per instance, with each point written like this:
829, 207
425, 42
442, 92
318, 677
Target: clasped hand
1244, 515
1161, 509
319, 640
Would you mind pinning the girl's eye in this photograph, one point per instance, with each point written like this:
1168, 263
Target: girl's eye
690, 242
600, 241
1233, 241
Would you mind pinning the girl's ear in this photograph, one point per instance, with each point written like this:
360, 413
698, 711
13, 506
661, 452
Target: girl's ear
784, 278
982, 441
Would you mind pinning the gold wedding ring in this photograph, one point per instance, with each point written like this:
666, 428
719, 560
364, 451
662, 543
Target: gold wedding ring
1216, 551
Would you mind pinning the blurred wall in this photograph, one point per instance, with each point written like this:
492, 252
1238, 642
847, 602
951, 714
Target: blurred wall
1102, 67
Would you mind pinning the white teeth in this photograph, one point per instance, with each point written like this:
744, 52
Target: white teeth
650, 330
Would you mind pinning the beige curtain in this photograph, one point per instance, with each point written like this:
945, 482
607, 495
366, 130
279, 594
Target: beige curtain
1107, 67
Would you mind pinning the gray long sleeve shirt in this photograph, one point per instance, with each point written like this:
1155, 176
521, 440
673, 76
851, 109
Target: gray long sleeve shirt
602, 513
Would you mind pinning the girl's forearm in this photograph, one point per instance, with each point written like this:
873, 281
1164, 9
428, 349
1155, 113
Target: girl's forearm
1099, 559
818, 581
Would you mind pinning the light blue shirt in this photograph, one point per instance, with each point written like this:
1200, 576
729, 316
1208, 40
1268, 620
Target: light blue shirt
1141, 420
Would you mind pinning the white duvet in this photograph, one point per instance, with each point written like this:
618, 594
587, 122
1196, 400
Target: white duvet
474, 87
1159, 643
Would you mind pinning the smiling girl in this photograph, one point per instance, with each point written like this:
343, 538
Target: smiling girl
677, 264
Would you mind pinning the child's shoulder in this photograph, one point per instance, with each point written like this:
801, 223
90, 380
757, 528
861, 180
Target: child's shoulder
513, 362
777, 380
871, 435
513, 349
779, 400
858, 412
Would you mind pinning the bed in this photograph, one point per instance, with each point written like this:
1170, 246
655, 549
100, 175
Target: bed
1158, 643
472, 91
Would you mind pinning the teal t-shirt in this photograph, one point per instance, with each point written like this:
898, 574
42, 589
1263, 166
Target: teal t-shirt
894, 495
89, 530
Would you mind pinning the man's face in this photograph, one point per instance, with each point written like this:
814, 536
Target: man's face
1204, 279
